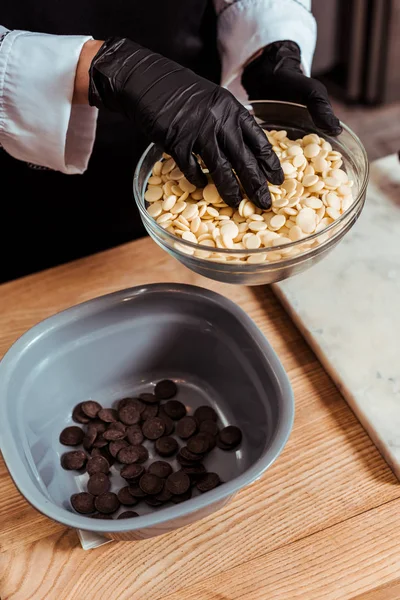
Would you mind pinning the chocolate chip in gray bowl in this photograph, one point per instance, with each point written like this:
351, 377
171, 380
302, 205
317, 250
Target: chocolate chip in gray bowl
119, 435
71, 436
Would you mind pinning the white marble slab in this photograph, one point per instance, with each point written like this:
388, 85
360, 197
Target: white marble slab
348, 309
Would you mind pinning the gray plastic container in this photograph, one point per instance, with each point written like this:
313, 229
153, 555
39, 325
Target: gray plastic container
119, 345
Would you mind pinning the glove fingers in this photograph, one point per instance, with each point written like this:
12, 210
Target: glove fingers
258, 143
322, 114
221, 173
250, 174
189, 166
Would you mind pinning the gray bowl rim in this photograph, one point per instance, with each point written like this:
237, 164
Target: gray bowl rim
39, 501
358, 201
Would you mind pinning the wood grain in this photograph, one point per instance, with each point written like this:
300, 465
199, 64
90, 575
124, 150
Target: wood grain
334, 564
329, 473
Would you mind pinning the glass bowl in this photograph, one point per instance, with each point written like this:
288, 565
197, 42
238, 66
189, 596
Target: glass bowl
279, 262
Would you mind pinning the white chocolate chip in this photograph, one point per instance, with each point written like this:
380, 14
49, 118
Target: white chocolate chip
309, 180
249, 209
186, 186
157, 168
168, 203
191, 211
230, 229
288, 168
252, 242
176, 174
257, 225
306, 220
154, 180
167, 166
311, 150
313, 202
155, 209
277, 222
178, 207
188, 236
314, 193
210, 193
153, 194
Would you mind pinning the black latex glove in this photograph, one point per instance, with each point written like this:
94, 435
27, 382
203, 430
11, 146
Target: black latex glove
186, 114
276, 75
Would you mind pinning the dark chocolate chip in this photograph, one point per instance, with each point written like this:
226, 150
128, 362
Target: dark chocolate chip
99, 425
129, 414
208, 482
131, 402
100, 516
221, 445
97, 464
116, 446
175, 409
128, 455
103, 452
164, 496
169, 424
71, 436
98, 483
178, 483
126, 498
132, 472
149, 398
160, 468
78, 415
184, 454
230, 436
151, 484
178, 498
90, 436
194, 471
83, 503
74, 460
90, 408
100, 441
134, 435
108, 415
199, 444
143, 453
165, 389
152, 501
153, 428
137, 491
107, 503
128, 514
150, 412
166, 446
116, 431
212, 440
205, 413
186, 427
209, 426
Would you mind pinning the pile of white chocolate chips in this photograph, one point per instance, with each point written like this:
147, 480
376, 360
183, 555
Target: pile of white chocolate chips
316, 191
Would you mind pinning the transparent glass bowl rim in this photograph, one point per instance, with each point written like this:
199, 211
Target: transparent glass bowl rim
138, 194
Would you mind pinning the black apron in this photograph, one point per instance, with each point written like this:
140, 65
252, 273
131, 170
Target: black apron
48, 217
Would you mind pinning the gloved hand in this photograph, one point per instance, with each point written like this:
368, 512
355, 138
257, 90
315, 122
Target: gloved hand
186, 114
276, 75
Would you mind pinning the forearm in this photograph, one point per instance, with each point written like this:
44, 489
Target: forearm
81, 87
38, 123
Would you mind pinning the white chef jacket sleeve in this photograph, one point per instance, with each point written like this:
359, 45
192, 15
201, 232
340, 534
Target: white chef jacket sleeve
247, 26
38, 122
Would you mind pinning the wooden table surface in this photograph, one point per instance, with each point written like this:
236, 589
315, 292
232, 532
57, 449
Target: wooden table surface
323, 523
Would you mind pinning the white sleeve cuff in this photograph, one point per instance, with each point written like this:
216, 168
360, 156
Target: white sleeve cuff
38, 123
247, 26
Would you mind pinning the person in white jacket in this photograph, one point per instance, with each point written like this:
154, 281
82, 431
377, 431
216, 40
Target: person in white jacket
72, 105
